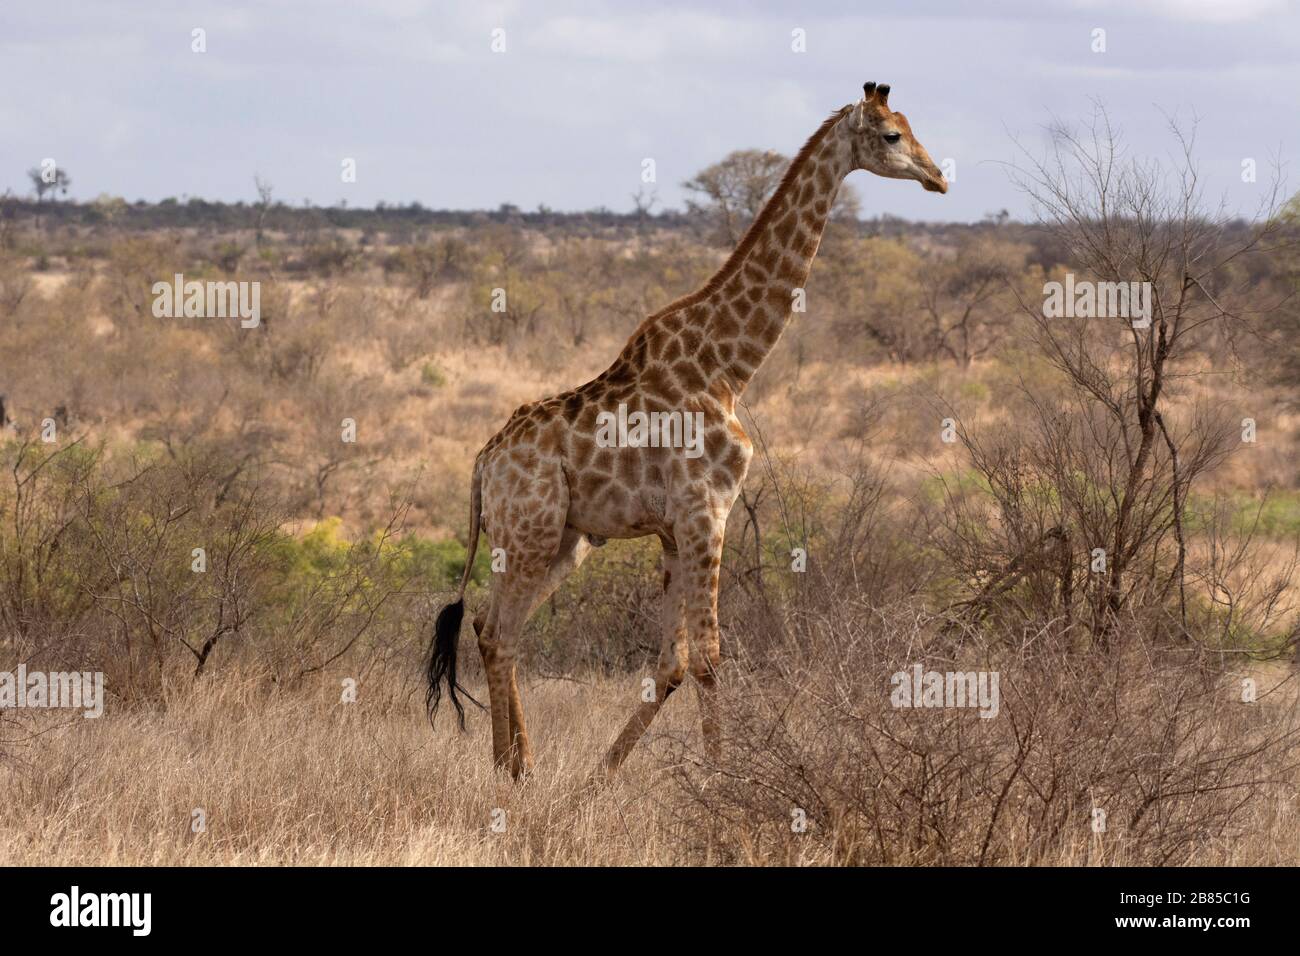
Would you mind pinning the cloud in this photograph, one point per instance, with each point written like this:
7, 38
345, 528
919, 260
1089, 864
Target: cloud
644, 38
1200, 11
586, 90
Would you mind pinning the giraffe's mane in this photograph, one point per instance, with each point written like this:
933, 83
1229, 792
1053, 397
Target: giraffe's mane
761, 221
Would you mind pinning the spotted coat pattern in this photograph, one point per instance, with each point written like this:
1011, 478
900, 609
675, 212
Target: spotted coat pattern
545, 491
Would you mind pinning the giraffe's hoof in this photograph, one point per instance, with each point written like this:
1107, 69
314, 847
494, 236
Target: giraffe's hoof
602, 776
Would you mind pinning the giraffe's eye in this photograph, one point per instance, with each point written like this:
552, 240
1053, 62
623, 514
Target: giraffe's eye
893, 137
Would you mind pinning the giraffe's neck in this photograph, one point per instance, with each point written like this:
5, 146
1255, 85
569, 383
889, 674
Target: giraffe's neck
754, 295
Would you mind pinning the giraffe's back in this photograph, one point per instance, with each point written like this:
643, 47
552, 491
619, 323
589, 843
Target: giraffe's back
629, 447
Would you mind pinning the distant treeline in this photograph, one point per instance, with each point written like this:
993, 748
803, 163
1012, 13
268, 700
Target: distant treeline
413, 224
398, 219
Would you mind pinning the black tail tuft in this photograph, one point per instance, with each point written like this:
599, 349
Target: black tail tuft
442, 662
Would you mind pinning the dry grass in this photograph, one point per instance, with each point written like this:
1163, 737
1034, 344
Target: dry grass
299, 778
302, 779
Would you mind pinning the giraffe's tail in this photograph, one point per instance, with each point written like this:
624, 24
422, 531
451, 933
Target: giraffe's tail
446, 629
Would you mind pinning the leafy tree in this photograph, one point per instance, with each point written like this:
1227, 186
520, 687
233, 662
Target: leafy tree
733, 190
58, 185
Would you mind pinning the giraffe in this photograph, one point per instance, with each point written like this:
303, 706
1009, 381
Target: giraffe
551, 485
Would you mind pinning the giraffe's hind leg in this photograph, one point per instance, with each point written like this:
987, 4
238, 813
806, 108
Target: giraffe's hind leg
513, 600
574, 548
528, 524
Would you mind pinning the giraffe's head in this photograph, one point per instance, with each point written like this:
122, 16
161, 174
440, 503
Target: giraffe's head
882, 142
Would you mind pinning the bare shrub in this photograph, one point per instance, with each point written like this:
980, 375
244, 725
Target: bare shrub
1137, 757
147, 567
15, 284
1100, 467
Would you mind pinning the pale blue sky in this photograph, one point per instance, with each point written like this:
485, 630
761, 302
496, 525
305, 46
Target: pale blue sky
585, 91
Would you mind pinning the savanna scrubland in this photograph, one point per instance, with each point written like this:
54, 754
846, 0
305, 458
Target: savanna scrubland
947, 460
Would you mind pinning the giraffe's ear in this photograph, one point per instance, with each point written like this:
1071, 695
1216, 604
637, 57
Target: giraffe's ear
860, 115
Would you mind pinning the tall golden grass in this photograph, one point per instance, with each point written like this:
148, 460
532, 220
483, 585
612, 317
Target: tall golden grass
302, 778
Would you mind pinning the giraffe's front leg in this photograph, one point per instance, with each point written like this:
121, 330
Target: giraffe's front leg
669, 672
701, 566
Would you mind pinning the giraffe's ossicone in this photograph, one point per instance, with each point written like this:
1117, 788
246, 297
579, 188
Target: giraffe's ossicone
652, 446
